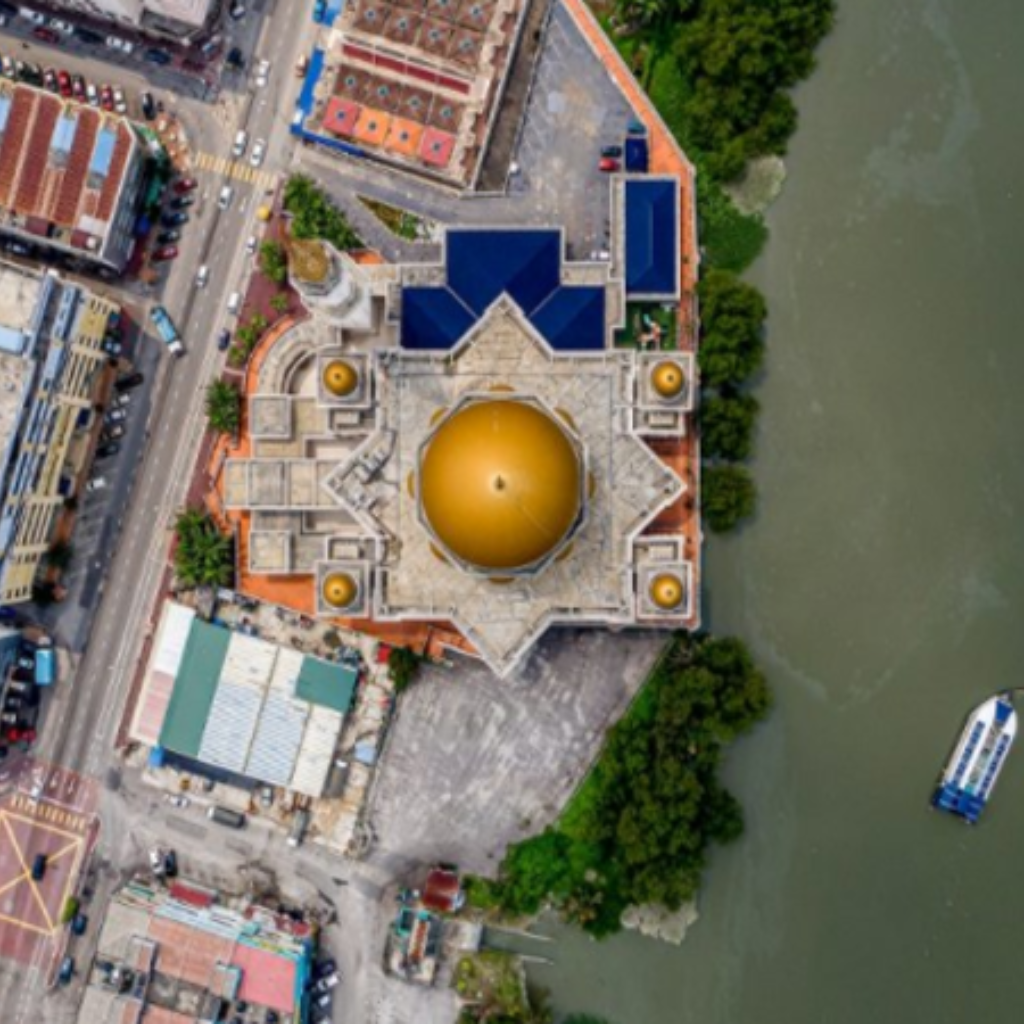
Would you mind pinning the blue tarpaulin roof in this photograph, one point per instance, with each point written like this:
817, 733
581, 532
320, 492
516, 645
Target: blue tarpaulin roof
652, 238
481, 266
45, 666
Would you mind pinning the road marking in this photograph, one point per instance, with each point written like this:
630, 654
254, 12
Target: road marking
237, 169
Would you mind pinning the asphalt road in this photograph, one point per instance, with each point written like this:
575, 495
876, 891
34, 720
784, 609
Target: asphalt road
83, 718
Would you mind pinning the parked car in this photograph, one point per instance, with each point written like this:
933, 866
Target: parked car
33, 16
115, 416
178, 800
92, 95
50, 80
166, 237
323, 1000
79, 923
173, 220
608, 164
119, 44
234, 302
202, 276
324, 968
65, 28
38, 867
250, 244
171, 862
120, 101
46, 35
67, 970
225, 197
612, 151
88, 36
262, 74
31, 73
325, 984
64, 83
166, 252
241, 142
121, 400
7, 65
99, 483
235, 58
111, 434
259, 151
26, 661
224, 340
106, 451
13, 703
157, 862
183, 185
148, 106
155, 56
78, 87
106, 97
181, 202
237, 11
133, 380
112, 347
302, 66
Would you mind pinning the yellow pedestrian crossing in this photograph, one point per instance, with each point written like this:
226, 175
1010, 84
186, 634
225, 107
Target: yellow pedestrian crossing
237, 169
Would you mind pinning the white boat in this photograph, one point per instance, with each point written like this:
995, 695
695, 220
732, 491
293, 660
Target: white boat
970, 774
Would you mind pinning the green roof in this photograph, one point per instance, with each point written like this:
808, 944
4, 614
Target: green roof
329, 685
194, 689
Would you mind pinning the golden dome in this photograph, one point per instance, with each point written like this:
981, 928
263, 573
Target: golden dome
339, 589
500, 484
667, 591
668, 379
340, 378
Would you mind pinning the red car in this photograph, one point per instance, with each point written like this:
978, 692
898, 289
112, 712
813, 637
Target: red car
106, 97
47, 35
16, 735
64, 83
183, 185
167, 252
608, 164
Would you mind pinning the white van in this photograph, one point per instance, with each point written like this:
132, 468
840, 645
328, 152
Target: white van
202, 276
234, 302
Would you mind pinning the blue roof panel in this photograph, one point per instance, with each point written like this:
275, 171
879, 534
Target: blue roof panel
652, 238
483, 264
433, 319
572, 320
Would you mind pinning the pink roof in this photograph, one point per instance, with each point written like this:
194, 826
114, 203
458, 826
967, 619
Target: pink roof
436, 147
341, 115
267, 979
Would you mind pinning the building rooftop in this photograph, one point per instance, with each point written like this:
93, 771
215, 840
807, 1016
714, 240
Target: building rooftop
62, 166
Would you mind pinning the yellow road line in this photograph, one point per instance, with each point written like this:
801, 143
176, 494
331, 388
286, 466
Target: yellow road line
28, 927
24, 867
41, 824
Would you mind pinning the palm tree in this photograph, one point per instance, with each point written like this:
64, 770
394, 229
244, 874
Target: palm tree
224, 407
202, 557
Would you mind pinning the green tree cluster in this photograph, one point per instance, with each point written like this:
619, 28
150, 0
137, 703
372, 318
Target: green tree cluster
639, 829
203, 555
732, 317
403, 665
315, 216
224, 407
274, 262
741, 59
727, 422
728, 496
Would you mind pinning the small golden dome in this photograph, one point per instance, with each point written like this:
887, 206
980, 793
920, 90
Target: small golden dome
339, 589
668, 379
340, 378
500, 484
667, 591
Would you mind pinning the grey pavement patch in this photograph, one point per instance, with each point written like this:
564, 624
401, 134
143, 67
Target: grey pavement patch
190, 828
245, 849
475, 763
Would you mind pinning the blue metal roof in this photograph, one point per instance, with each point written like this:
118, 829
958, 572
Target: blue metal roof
483, 264
433, 318
572, 319
652, 238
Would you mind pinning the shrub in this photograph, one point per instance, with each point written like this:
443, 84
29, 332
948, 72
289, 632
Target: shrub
728, 496
732, 329
727, 425
274, 262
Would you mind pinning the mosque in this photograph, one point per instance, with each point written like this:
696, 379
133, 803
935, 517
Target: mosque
470, 442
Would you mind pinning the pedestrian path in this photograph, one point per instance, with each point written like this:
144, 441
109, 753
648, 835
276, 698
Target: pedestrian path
237, 169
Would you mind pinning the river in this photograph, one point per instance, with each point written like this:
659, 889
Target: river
882, 584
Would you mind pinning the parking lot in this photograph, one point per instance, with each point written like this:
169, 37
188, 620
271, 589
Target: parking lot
101, 510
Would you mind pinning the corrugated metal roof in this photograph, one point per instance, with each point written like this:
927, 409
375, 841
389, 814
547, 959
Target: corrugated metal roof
231, 726
330, 685
286, 671
317, 751
173, 638
275, 747
194, 688
250, 662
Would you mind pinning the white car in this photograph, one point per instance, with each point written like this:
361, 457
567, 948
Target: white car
326, 984
34, 16
234, 302
250, 244
227, 193
157, 861
120, 103
178, 800
259, 151
241, 142
65, 28
202, 276
262, 74
92, 95
96, 484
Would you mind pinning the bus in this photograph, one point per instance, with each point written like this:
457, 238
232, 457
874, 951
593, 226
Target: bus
166, 329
